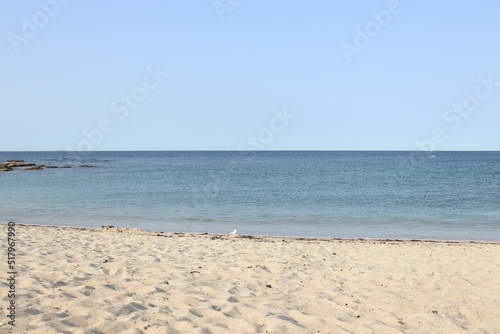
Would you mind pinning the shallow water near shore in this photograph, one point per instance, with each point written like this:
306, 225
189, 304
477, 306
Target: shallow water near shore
455, 195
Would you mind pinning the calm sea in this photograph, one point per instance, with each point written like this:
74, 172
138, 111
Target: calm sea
455, 195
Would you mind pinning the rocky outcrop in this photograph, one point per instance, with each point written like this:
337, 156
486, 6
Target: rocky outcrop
14, 164
9, 165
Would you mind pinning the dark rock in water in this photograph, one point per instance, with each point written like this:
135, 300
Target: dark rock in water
5, 168
14, 161
87, 166
67, 166
51, 167
35, 167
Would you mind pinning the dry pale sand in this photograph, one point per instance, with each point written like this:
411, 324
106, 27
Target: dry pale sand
131, 281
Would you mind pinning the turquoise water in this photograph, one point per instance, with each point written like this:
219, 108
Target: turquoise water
324, 194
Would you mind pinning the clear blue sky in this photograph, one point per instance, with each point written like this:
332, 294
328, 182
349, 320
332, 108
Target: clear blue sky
226, 76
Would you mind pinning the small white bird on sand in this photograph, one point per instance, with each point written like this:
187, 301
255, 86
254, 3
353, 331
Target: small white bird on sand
233, 232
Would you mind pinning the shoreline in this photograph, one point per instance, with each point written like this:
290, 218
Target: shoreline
136, 230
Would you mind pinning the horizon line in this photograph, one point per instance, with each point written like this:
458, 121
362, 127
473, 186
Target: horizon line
285, 150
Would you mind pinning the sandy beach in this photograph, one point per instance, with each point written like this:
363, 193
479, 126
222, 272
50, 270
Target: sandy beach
108, 280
